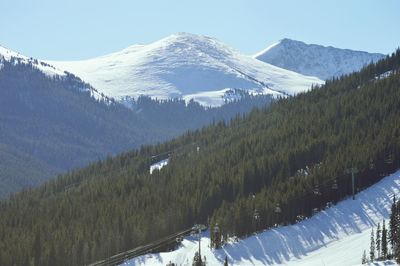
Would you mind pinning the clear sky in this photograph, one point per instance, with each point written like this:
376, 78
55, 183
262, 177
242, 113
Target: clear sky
78, 29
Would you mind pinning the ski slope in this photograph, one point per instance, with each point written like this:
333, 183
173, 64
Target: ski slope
184, 66
335, 236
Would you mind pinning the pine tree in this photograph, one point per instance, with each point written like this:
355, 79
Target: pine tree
372, 247
364, 259
384, 241
393, 225
397, 254
197, 260
378, 240
396, 246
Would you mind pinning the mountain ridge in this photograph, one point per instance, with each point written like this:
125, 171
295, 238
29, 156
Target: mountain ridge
184, 65
316, 60
8, 54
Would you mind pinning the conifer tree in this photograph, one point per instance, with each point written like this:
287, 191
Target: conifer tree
384, 241
396, 233
378, 240
392, 224
364, 259
372, 247
197, 260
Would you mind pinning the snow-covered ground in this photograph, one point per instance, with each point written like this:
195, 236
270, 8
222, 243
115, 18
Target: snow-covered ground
315, 60
184, 66
336, 236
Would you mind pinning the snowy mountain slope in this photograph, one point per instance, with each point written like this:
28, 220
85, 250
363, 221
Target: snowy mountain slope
181, 65
336, 236
315, 60
49, 70
7, 54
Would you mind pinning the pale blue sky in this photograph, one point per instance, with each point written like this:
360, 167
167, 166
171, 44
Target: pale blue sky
77, 29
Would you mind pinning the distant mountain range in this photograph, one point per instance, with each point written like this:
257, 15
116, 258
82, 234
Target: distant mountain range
185, 66
315, 60
52, 121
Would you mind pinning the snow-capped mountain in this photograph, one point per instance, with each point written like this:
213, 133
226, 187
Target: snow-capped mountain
315, 60
336, 236
184, 66
7, 54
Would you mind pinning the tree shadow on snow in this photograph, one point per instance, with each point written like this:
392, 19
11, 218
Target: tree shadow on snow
346, 218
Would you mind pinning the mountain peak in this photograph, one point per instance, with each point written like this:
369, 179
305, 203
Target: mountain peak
183, 40
291, 42
287, 40
316, 60
184, 65
183, 37
183, 34
188, 36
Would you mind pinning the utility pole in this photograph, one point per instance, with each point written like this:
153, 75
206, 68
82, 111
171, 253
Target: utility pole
352, 171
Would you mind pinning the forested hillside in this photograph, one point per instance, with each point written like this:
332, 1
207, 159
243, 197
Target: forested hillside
293, 153
51, 124
55, 121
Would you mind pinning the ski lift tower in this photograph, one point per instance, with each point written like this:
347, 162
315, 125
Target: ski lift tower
256, 217
352, 171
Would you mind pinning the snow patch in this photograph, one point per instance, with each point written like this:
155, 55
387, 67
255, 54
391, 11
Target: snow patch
158, 165
384, 75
